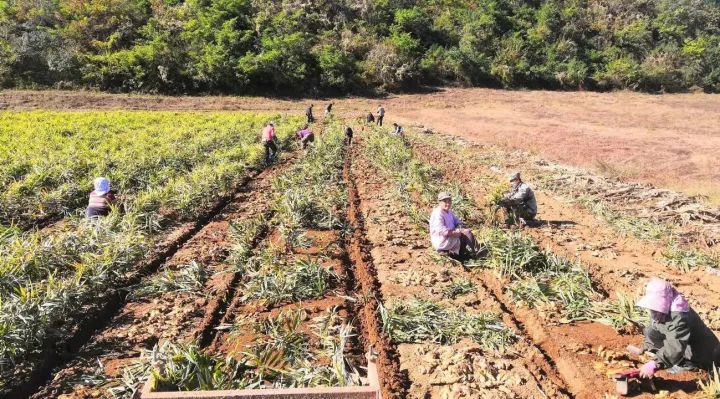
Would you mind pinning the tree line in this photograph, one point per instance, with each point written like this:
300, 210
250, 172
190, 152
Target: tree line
340, 46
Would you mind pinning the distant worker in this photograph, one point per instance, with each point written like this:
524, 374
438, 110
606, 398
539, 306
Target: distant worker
381, 115
397, 129
520, 201
370, 118
305, 135
309, 114
268, 140
447, 233
348, 135
676, 336
328, 109
101, 199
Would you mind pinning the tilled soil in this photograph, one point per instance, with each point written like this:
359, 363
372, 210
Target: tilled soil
583, 353
174, 316
406, 268
618, 263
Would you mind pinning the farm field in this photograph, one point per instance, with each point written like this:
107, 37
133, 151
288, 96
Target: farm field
222, 272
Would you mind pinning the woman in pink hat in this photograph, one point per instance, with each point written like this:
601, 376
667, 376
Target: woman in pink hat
676, 336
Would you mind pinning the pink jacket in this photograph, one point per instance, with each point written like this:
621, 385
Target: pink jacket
268, 133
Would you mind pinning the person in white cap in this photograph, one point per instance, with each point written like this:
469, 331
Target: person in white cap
520, 200
101, 199
448, 234
676, 335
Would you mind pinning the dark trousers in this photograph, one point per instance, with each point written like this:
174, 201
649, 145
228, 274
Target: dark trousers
516, 211
468, 248
269, 147
310, 119
310, 138
96, 212
380, 120
348, 139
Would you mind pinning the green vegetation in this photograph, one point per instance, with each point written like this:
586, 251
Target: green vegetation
239, 45
418, 320
186, 278
49, 279
458, 288
687, 259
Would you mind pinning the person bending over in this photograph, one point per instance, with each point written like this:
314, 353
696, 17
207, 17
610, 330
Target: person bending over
675, 335
306, 136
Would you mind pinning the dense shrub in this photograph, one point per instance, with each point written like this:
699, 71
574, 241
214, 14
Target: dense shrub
235, 46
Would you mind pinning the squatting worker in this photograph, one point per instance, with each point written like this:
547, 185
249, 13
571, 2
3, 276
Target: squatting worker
397, 129
101, 198
676, 335
447, 233
381, 114
305, 135
348, 135
309, 114
370, 118
328, 109
520, 200
268, 140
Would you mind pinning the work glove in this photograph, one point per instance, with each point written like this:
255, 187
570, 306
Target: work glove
648, 369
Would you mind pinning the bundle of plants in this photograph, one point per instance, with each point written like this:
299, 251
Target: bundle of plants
279, 280
418, 320
188, 279
510, 254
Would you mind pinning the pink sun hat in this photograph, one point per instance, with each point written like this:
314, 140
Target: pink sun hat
662, 297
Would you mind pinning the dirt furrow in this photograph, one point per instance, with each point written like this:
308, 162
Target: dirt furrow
407, 268
141, 322
581, 351
618, 263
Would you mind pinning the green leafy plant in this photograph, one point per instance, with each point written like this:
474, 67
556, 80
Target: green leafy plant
418, 320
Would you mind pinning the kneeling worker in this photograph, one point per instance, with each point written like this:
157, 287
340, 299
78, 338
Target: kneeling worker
676, 335
447, 233
520, 200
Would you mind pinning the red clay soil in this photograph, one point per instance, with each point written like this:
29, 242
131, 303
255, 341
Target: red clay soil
667, 140
624, 266
617, 263
406, 268
179, 317
392, 381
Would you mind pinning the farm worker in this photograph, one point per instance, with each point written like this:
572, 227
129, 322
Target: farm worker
676, 335
305, 135
309, 114
381, 115
370, 118
398, 129
268, 140
328, 109
520, 200
447, 233
348, 135
100, 199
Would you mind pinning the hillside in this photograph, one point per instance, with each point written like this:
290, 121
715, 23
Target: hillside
322, 46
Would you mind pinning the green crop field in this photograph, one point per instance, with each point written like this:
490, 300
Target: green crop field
168, 168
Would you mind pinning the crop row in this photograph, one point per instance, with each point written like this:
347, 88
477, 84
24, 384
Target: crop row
49, 159
293, 346
50, 280
560, 288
